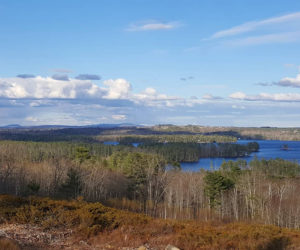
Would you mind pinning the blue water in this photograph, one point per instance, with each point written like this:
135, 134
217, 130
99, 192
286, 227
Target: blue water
268, 150
111, 143
135, 144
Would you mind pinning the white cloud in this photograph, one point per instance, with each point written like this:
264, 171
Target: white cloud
251, 26
238, 106
280, 29
119, 117
289, 82
153, 25
211, 97
279, 97
47, 87
117, 89
290, 65
41, 88
41, 102
151, 97
284, 82
31, 119
151, 94
238, 95
34, 104
15, 103
283, 37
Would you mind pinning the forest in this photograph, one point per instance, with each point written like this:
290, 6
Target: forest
167, 138
147, 179
158, 133
256, 133
139, 180
191, 152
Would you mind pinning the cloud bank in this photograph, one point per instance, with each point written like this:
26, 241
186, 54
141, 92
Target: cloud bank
44, 100
81, 88
279, 97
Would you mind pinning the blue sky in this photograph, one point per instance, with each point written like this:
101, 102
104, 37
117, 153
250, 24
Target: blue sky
231, 63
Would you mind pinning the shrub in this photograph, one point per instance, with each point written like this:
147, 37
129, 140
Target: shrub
90, 219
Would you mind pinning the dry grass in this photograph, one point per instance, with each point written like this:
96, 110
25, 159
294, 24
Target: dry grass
8, 244
100, 225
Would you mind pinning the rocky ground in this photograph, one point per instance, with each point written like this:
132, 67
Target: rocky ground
28, 237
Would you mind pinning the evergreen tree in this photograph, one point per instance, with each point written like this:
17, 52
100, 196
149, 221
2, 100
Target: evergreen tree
73, 185
215, 183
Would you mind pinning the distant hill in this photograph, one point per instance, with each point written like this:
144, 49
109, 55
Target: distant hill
111, 125
119, 125
12, 126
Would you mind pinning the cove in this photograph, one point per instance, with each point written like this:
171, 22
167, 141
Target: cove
269, 149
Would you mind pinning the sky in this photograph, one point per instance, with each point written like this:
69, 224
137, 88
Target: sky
201, 62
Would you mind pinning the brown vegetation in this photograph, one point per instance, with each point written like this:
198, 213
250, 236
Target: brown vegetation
8, 244
99, 225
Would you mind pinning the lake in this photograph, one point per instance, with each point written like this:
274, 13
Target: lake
268, 150
113, 143
135, 144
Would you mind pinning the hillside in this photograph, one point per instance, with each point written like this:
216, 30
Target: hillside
42, 223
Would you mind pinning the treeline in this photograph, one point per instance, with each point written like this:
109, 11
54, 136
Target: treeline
51, 135
192, 152
283, 134
171, 152
94, 134
167, 138
43, 151
160, 134
261, 133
